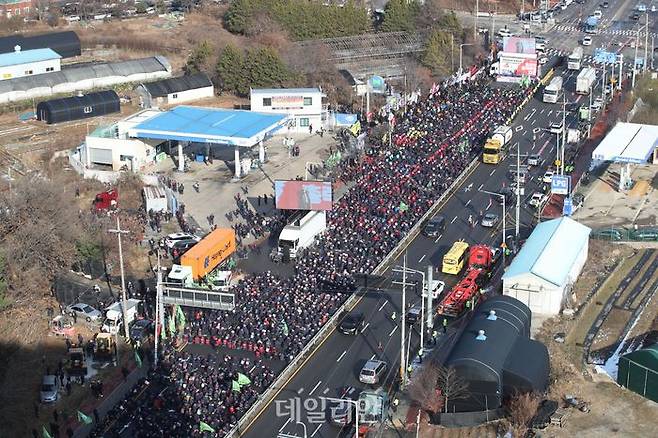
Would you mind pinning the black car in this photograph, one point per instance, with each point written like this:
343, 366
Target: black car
605, 4
141, 329
351, 324
434, 226
413, 315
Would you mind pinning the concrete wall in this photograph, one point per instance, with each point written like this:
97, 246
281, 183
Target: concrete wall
142, 154
539, 295
37, 68
189, 95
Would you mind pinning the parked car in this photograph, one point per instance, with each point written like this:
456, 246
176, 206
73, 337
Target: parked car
180, 247
605, 4
548, 177
556, 128
49, 389
82, 310
505, 32
171, 239
434, 226
534, 160
413, 315
372, 372
577, 200
141, 329
587, 41
351, 324
437, 287
489, 220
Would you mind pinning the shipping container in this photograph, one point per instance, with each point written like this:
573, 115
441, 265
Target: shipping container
210, 252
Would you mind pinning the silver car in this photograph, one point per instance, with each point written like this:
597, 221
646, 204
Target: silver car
49, 389
85, 311
489, 220
372, 372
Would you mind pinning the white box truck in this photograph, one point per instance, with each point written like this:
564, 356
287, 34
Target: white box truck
574, 60
155, 198
113, 323
585, 80
553, 90
301, 231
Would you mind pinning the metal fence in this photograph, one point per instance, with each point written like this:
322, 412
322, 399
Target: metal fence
623, 234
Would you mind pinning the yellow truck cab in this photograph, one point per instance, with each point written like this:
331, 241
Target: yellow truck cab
494, 147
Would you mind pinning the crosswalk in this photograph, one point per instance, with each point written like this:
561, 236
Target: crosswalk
615, 32
587, 59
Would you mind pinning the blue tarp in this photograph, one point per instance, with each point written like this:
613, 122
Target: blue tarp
343, 119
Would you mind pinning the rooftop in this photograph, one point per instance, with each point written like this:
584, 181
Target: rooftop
550, 251
176, 85
24, 57
209, 125
628, 143
285, 90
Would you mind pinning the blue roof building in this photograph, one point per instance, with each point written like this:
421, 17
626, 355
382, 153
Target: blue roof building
544, 270
19, 57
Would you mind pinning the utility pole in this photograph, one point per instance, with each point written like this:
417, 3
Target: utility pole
119, 232
475, 22
452, 53
564, 131
652, 53
589, 113
646, 41
518, 192
637, 41
603, 85
403, 371
158, 315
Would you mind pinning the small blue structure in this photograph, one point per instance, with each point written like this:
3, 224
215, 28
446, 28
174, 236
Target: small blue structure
190, 124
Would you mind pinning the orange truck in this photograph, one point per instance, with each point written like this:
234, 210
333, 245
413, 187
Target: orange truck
210, 252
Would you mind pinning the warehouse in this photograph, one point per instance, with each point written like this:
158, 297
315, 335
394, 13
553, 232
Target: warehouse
638, 371
78, 107
175, 90
65, 44
305, 107
75, 78
21, 63
496, 357
545, 269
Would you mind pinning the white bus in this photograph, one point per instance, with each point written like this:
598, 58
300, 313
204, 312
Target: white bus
574, 60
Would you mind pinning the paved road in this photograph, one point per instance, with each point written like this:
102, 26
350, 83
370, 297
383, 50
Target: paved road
297, 410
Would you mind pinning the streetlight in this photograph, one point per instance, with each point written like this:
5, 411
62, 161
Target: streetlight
461, 53
422, 301
118, 231
356, 409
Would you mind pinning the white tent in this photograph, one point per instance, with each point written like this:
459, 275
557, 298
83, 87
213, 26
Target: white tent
628, 143
547, 265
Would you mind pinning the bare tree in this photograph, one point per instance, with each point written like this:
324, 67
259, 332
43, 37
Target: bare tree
522, 408
452, 386
424, 390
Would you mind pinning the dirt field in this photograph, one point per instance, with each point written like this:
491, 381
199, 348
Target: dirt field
614, 411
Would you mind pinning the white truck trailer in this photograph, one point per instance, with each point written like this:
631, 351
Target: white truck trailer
113, 323
575, 59
553, 90
301, 231
585, 80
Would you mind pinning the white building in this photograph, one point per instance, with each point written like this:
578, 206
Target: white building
548, 264
305, 106
175, 90
28, 63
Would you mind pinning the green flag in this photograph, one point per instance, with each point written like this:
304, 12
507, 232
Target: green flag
284, 328
138, 360
403, 207
243, 380
235, 386
205, 427
86, 419
44, 432
180, 316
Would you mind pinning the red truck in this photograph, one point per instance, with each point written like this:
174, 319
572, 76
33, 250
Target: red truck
106, 200
480, 262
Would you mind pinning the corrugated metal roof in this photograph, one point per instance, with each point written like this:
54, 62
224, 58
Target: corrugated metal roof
72, 74
65, 43
628, 143
550, 251
27, 56
176, 85
285, 90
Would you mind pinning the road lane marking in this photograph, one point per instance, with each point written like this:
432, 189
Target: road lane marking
382, 306
543, 147
317, 428
341, 356
550, 112
285, 424
438, 238
542, 111
453, 220
315, 387
393, 331
300, 390
373, 357
326, 390
492, 172
422, 258
480, 188
525, 133
533, 121
252, 369
467, 202
365, 327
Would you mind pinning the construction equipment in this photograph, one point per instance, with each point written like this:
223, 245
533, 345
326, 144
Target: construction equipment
104, 347
76, 364
61, 326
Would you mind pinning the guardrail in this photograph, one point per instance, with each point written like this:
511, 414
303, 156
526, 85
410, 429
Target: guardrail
270, 393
